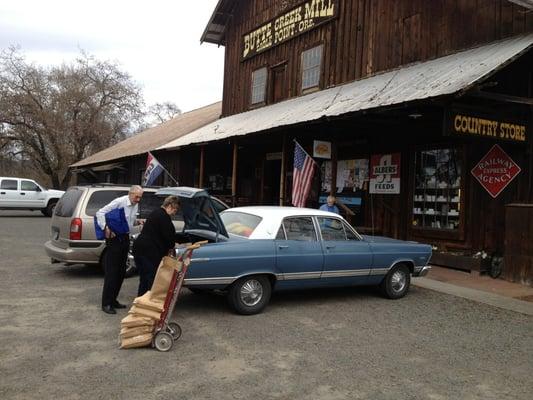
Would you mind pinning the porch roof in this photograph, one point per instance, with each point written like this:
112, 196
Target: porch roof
154, 137
452, 74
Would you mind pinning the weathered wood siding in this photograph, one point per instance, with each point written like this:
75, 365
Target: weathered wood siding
367, 37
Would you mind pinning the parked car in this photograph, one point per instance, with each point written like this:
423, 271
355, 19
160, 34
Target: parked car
26, 194
72, 235
254, 250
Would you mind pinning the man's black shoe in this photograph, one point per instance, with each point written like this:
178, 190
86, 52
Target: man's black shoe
109, 310
116, 304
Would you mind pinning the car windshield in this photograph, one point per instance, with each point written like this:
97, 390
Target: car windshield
240, 224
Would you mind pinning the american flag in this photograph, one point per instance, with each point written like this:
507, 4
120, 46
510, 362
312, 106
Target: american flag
302, 175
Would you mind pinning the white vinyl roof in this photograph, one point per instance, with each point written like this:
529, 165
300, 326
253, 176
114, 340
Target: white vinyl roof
439, 77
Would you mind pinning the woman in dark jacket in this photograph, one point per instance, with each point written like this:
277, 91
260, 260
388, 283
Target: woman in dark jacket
157, 238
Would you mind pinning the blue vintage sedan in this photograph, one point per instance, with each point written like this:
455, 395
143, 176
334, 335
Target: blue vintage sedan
255, 250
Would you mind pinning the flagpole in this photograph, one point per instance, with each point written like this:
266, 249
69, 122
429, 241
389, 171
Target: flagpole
168, 173
312, 159
164, 169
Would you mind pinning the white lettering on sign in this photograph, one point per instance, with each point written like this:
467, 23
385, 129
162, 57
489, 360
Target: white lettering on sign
286, 26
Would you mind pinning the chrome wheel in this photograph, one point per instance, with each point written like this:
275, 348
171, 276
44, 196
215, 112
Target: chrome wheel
398, 281
249, 295
251, 292
396, 284
163, 341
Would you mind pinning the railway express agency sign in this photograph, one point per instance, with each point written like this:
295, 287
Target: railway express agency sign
495, 171
288, 25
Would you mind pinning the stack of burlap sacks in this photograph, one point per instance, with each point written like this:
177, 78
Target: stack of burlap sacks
137, 328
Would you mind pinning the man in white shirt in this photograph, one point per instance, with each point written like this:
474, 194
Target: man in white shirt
117, 246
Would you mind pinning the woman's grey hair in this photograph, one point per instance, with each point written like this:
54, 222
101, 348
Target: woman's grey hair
136, 189
171, 201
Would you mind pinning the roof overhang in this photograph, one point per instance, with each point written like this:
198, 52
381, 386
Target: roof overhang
215, 30
524, 3
449, 75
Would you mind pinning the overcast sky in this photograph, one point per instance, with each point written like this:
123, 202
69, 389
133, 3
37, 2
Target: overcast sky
157, 42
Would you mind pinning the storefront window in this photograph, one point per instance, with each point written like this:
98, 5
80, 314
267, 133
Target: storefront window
437, 195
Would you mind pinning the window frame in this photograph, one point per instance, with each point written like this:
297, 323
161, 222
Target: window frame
10, 180
265, 86
318, 86
313, 222
416, 232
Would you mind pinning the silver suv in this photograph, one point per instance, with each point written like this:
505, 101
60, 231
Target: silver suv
72, 236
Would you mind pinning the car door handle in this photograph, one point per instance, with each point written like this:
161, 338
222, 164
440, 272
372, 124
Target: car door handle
283, 246
330, 246
2, 192
23, 194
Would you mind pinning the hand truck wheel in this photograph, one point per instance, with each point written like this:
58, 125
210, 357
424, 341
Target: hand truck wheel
163, 341
174, 329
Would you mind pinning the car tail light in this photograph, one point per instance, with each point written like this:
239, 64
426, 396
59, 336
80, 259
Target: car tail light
75, 229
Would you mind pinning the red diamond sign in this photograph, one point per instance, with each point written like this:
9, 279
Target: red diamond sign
495, 171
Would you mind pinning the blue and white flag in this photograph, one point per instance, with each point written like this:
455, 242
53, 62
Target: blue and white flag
153, 170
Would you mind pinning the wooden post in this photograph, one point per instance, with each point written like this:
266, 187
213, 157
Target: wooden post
202, 162
282, 173
333, 188
234, 177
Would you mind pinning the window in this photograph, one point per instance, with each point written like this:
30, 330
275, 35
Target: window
259, 80
437, 195
67, 203
239, 223
29, 186
299, 228
311, 66
331, 229
101, 198
8, 184
349, 233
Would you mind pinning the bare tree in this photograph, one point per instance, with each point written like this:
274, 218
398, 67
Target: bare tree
56, 116
161, 112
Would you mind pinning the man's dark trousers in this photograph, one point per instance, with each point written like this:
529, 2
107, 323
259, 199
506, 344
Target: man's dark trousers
114, 268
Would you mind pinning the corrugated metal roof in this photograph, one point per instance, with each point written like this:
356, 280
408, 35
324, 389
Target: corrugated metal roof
429, 79
524, 3
154, 137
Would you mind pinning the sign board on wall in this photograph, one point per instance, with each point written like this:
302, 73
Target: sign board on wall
495, 171
321, 149
385, 173
475, 124
286, 26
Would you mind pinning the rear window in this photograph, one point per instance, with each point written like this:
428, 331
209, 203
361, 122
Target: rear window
67, 203
240, 224
149, 203
102, 197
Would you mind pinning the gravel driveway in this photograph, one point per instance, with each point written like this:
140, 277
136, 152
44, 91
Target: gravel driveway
320, 344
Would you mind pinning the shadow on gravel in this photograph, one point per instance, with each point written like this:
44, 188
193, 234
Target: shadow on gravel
303, 296
206, 303
80, 271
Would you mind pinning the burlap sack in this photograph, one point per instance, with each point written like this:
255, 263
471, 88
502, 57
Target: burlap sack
133, 320
126, 332
136, 341
144, 312
146, 301
163, 277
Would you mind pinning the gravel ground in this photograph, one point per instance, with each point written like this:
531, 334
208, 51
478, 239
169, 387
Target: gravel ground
317, 344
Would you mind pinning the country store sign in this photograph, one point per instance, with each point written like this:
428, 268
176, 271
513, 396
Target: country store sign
489, 127
288, 25
495, 171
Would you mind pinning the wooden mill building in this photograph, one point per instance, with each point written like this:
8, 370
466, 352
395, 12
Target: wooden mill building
418, 113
